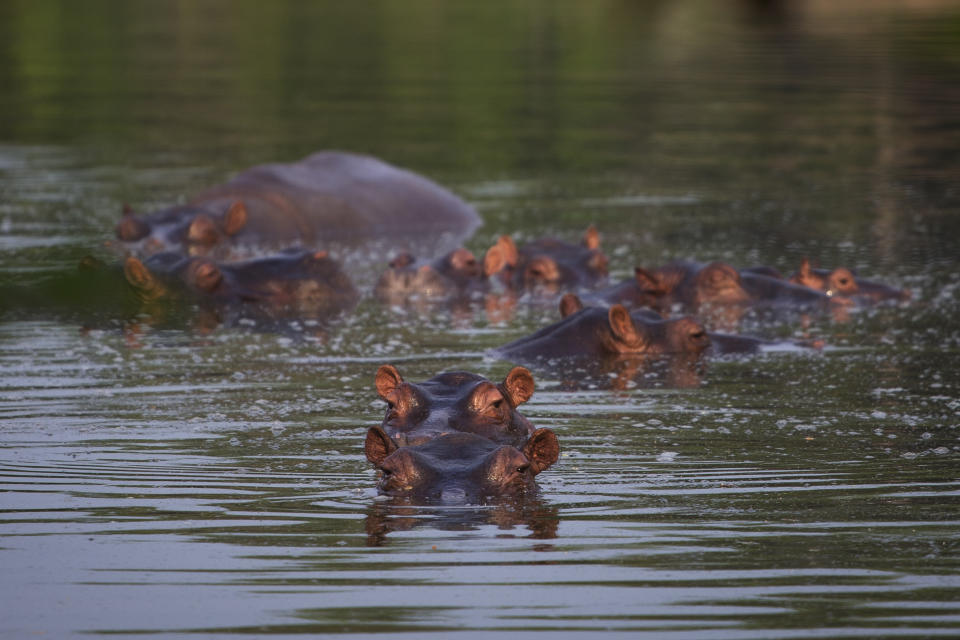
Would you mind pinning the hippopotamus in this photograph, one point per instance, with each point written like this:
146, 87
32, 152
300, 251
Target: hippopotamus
459, 467
328, 197
455, 402
693, 286
543, 266
842, 284
596, 332
453, 275
292, 282
599, 332
548, 264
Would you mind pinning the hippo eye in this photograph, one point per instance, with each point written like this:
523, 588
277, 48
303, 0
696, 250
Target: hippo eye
699, 333
523, 468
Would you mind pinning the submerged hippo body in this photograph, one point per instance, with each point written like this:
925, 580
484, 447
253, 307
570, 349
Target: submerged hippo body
328, 197
459, 467
291, 283
455, 402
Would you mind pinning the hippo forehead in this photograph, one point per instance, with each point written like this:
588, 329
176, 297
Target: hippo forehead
454, 384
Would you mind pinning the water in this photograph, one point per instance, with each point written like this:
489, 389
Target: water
172, 480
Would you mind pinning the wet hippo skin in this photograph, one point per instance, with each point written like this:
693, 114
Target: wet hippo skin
330, 196
459, 466
455, 402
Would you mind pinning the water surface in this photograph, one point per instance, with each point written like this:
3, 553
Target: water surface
162, 478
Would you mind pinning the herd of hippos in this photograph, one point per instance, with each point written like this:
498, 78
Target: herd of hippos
259, 242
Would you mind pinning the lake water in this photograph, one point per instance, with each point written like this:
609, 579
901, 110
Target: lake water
162, 478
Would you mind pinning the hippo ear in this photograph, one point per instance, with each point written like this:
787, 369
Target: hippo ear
542, 450
647, 281
378, 445
509, 249
137, 274
621, 324
493, 261
591, 238
805, 268
518, 385
203, 231
131, 228
462, 260
570, 304
235, 219
387, 379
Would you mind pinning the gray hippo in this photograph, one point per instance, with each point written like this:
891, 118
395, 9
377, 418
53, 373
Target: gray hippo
330, 197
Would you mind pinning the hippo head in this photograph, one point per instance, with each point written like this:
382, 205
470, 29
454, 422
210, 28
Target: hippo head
459, 466
842, 285
718, 283
840, 281
447, 276
206, 231
163, 273
551, 264
191, 227
639, 332
548, 263
642, 331
455, 402
131, 228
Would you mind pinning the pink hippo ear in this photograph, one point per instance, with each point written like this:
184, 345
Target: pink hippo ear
621, 324
542, 449
500, 257
378, 445
647, 281
806, 277
203, 231
570, 304
518, 386
591, 238
387, 380
493, 261
235, 219
137, 274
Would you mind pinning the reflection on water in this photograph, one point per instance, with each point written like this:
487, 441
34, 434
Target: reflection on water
161, 475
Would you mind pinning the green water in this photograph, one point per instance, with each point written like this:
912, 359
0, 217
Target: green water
163, 479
